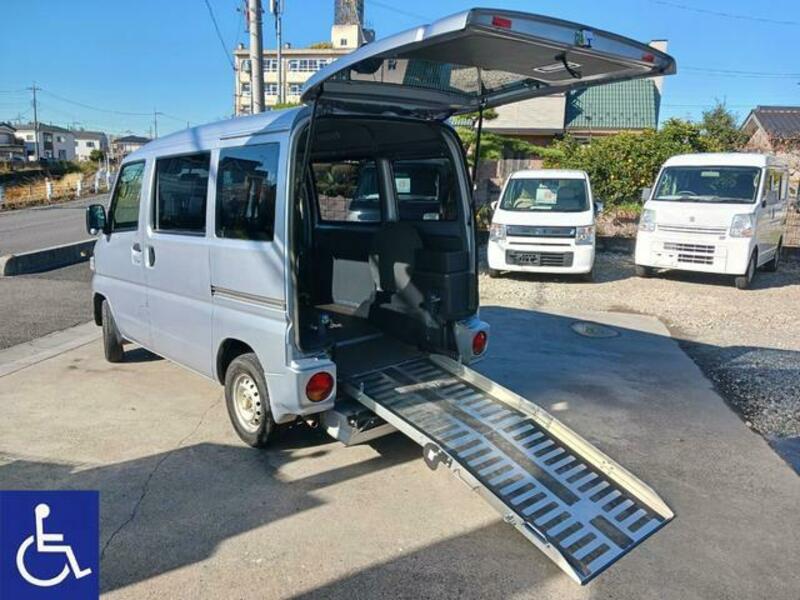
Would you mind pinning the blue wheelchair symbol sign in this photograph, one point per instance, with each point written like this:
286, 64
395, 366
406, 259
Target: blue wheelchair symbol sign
49, 545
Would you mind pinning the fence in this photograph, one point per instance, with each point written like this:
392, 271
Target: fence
44, 190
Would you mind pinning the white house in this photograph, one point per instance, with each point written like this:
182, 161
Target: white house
87, 141
55, 143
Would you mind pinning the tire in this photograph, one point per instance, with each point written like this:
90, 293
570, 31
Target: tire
642, 271
743, 281
112, 340
773, 265
248, 401
494, 273
588, 277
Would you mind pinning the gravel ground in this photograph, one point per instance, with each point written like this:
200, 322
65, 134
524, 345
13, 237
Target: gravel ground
34, 305
746, 342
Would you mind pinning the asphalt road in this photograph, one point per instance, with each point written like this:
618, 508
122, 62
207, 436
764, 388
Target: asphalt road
34, 305
187, 511
40, 227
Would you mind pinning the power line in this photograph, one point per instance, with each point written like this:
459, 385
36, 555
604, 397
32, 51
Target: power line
97, 108
739, 74
219, 35
399, 11
726, 15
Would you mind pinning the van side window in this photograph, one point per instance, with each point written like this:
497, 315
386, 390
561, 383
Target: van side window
348, 191
181, 190
246, 189
426, 189
125, 203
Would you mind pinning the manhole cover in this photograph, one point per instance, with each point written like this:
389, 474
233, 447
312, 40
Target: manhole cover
593, 330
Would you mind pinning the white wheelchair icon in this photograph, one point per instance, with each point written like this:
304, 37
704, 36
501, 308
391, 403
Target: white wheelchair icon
43, 544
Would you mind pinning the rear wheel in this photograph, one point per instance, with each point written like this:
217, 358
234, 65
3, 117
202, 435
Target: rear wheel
772, 265
642, 271
494, 273
112, 340
744, 281
248, 401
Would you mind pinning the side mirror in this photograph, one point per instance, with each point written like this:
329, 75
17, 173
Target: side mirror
96, 219
494, 204
599, 207
764, 203
646, 194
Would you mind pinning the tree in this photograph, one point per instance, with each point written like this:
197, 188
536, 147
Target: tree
720, 131
97, 155
321, 46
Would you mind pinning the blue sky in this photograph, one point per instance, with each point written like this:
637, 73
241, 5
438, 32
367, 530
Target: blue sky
135, 56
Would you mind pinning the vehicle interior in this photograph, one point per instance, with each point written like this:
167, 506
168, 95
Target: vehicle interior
381, 238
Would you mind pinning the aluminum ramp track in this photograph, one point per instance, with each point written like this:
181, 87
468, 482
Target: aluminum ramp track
573, 502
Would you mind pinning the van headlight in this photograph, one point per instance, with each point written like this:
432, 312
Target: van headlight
584, 236
497, 232
647, 222
742, 226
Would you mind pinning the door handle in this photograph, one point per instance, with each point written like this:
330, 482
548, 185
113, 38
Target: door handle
151, 256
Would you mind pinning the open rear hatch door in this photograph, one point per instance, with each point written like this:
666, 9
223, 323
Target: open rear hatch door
582, 509
480, 57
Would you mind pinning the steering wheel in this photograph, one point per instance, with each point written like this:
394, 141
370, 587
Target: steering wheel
686, 193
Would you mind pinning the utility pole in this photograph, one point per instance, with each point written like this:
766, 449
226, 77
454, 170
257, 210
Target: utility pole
256, 55
35, 123
276, 8
155, 122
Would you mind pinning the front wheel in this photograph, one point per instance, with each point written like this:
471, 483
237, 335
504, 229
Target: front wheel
744, 281
588, 277
494, 273
248, 401
112, 340
642, 271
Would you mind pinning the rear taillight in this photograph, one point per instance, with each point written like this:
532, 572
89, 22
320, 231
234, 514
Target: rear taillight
479, 343
319, 387
501, 22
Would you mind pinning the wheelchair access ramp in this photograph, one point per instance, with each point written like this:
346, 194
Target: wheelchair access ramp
573, 502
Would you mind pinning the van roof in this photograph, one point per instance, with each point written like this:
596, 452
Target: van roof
204, 137
550, 173
723, 159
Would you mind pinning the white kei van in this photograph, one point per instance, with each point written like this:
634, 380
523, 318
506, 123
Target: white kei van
715, 213
544, 223
320, 263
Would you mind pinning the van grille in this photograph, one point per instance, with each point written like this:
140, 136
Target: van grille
539, 259
534, 231
697, 254
693, 229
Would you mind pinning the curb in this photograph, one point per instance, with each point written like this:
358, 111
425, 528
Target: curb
35, 351
46, 259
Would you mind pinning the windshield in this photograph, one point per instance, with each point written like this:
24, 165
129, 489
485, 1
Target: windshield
733, 185
546, 195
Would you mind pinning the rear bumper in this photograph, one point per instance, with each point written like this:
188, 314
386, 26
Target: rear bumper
530, 257
702, 253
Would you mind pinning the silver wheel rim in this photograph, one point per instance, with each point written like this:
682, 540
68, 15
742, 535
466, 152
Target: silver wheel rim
247, 403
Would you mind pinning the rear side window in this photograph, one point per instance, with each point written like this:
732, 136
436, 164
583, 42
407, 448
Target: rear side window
348, 191
426, 189
246, 190
127, 194
181, 190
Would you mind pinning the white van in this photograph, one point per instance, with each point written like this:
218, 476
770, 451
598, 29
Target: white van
544, 222
320, 263
715, 213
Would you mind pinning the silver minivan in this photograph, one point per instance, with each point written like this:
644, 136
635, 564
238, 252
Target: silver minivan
336, 281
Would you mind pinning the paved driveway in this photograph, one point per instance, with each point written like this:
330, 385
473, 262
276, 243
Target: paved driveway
188, 512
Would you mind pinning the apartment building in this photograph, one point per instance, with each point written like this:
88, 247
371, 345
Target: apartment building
299, 64
88, 141
55, 143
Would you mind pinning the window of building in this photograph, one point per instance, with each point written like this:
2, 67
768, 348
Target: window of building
272, 89
271, 65
343, 42
307, 65
29, 137
180, 196
245, 65
295, 88
245, 88
127, 194
90, 144
246, 189
348, 191
61, 139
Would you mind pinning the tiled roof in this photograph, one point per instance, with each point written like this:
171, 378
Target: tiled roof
779, 121
131, 139
622, 105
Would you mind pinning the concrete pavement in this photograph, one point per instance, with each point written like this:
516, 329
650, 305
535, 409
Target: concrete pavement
38, 227
188, 512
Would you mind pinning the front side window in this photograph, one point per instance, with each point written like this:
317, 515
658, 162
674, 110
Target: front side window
348, 191
732, 185
180, 196
426, 189
246, 191
127, 195
546, 194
